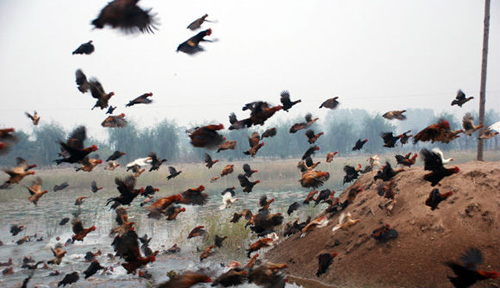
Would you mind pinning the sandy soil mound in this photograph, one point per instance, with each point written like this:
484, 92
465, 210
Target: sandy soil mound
469, 218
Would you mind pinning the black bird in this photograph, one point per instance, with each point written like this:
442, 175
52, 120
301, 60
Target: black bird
271, 132
246, 184
238, 124
117, 154
467, 272
218, 240
173, 172
95, 87
15, 229
435, 198
359, 144
191, 46
73, 150
85, 48
324, 261
230, 190
127, 16
351, 174
387, 173
323, 195
285, 100
143, 99
92, 269
60, 186
64, 221
111, 109
384, 233
208, 161
294, 206
310, 152
460, 99
434, 163
389, 139
155, 161
127, 192
248, 171
69, 279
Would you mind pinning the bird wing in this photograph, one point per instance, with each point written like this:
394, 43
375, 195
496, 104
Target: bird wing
172, 170
243, 180
247, 168
495, 126
77, 226
468, 122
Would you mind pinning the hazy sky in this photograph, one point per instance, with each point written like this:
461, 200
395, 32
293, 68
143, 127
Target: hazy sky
376, 55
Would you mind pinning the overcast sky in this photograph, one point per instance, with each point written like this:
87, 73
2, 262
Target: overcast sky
375, 55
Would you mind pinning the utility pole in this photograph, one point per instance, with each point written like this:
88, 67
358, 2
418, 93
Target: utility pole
482, 92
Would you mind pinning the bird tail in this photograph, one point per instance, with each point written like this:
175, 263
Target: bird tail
337, 227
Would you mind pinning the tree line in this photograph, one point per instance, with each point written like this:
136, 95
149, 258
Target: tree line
342, 128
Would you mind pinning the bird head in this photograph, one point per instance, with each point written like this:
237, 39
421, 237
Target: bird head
121, 115
156, 189
489, 275
334, 254
32, 172
94, 148
183, 209
456, 170
92, 228
258, 181
141, 191
366, 140
111, 94
220, 127
99, 161
209, 31
316, 148
262, 144
150, 94
202, 188
2, 145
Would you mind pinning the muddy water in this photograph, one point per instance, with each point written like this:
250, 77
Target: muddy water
43, 220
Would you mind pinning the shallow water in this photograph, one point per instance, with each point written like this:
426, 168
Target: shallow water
44, 218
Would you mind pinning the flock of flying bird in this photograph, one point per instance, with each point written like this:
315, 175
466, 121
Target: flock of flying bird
126, 15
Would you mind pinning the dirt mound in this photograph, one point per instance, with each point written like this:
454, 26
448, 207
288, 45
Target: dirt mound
469, 218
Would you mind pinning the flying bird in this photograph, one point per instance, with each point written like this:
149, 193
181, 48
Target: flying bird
18, 173
96, 89
468, 124
207, 136
173, 172
313, 179
209, 162
435, 198
117, 121
254, 143
117, 154
271, 132
155, 161
60, 187
467, 272
227, 145
434, 163
396, 114
285, 100
80, 231
248, 171
191, 46
85, 48
246, 184
359, 144
460, 99
311, 137
143, 99
94, 188
73, 150
198, 22
331, 103
491, 131
7, 140
34, 118
36, 190
69, 279
127, 16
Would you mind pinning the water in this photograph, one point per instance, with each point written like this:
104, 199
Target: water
43, 220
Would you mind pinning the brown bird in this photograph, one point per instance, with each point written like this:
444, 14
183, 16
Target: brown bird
310, 196
386, 190
247, 184
285, 100
491, 131
435, 198
73, 150
254, 144
79, 200
197, 231
159, 207
213, 179
124, 225
34, 118
172, 211
406, 160
18, 173
7, 140
405, 137
436, 132
186, 280
311, 137
238, 124
207, 252
259, 244
111, 165
467, 273
95, 87
261, 111
59, 254
267, 275
384, 233
228, 169
307, 165
331, 103
233, 277
319, 222
194, 196
192, 45
386, 173
209, 162
79, 231
460, 99
396, 114
85, 48
36, 190
310, 151
264, 203
88, 164
313, 179
271, 132
127, 16
198, 22
143, 99
227, 145
324, 261
330, 155
345, 221
117, 121
245, 213
468, 124
207, 136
